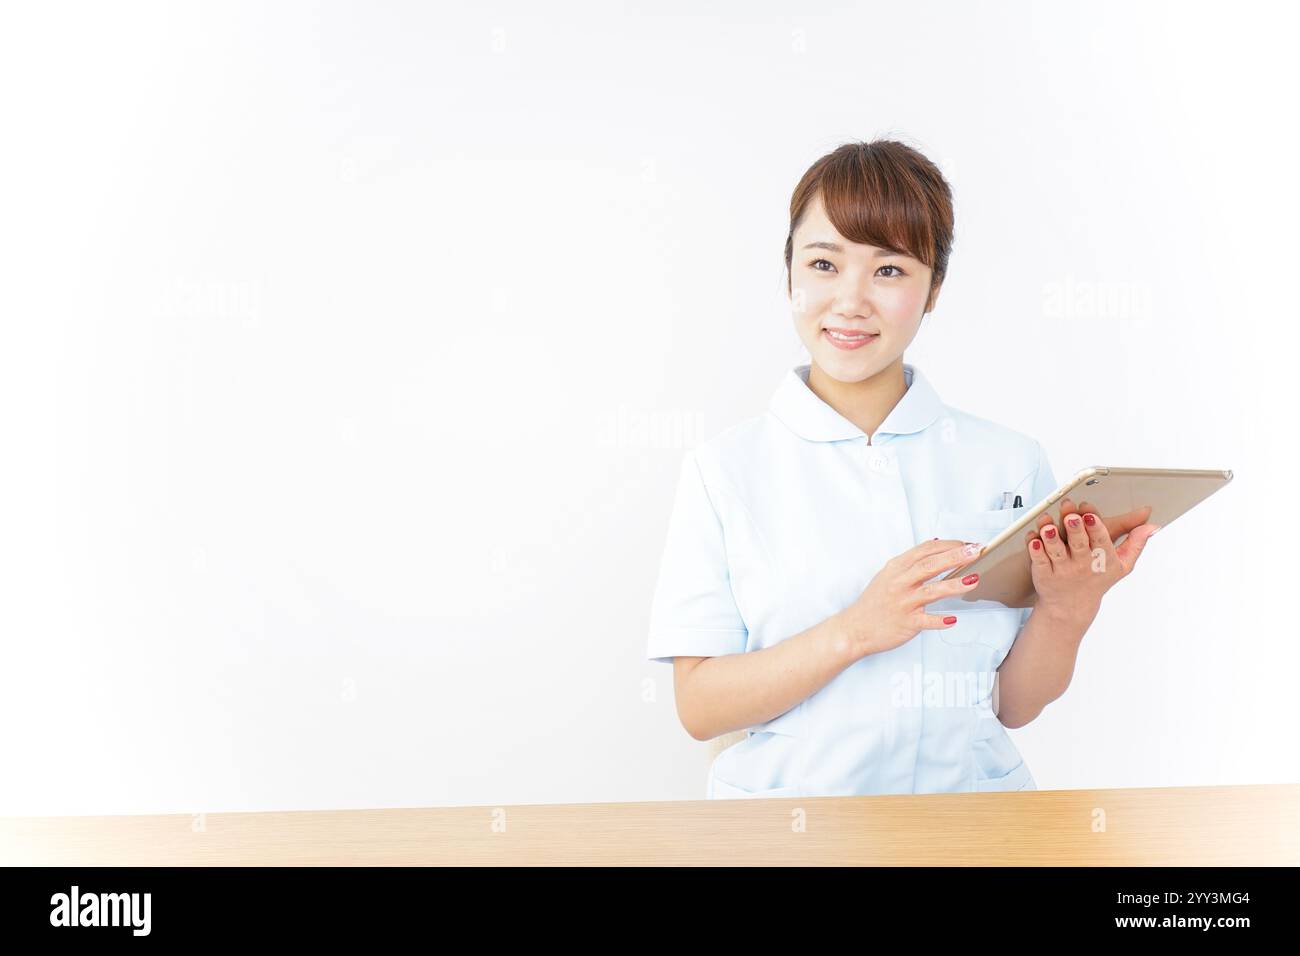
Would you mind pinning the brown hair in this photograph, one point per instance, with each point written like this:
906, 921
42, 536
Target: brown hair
883, 193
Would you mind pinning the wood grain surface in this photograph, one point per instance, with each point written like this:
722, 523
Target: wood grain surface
1238, 825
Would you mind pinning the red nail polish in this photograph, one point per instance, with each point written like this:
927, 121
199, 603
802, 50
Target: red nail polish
1090, 519
970, 579
1037, 545
950, 619
1073, 522
1049, 533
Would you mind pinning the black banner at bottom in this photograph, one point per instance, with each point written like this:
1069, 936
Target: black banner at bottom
338, 905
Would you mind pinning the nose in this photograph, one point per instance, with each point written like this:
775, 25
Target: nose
853, 299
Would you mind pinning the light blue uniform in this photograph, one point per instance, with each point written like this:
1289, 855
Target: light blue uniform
782, 520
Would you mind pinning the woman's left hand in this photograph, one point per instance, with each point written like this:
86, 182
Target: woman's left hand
1074, 565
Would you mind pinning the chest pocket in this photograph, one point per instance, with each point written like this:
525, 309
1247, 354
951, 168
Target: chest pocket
986, 628
987, 625
979, 526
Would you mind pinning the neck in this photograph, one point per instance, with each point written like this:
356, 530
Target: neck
866, 403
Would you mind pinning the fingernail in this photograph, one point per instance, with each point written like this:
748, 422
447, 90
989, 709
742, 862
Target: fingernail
1036, 545
1050, 532
972, 547
1090, 519
970, 579
950, 619
1072, 521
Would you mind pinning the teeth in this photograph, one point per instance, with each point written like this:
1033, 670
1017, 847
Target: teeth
846, 338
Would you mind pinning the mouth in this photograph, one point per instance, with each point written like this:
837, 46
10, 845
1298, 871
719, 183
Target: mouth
848, 341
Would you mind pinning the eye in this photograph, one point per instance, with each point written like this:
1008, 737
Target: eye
894, 275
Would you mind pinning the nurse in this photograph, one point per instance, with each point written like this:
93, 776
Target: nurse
799, 593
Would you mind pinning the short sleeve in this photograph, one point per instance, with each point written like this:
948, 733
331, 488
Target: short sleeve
1041, 484
693, 612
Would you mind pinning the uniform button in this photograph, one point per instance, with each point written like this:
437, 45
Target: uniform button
877, 462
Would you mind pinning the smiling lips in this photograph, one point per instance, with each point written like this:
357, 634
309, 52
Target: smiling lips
848, 340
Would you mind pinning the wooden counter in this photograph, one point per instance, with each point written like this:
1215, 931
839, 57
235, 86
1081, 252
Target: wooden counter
1177, 826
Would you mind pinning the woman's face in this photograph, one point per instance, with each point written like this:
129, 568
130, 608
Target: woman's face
837, 284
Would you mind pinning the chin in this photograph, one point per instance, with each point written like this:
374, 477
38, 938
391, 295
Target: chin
848, 367
846, 372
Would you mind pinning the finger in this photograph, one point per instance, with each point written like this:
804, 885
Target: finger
1119, 525
1037, 554
1052, 543
1076, 536
1131, 549
1098, 536
929, 622
939, 589
934, 545
1044, 520
908, 559
1067, 508
954, 554
945, 589
927, 548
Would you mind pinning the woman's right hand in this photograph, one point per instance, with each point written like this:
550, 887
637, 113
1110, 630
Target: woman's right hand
891, 610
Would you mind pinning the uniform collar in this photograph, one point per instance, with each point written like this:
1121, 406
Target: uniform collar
799, 408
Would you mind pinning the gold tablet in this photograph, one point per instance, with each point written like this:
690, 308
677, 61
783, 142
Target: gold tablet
1003, 565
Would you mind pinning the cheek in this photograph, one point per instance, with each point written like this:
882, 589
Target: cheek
899, 309
906, 301
807, 304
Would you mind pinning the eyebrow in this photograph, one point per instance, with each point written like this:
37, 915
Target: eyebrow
836, 247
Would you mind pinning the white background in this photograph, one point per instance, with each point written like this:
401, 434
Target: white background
350, 351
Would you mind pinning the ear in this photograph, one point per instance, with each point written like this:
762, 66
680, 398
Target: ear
933, 299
